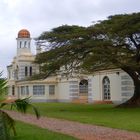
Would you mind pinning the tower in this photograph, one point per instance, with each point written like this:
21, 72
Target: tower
23, 42
23, 64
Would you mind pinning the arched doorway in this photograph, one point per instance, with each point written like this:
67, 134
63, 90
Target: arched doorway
83, 87
106, 88
83, 91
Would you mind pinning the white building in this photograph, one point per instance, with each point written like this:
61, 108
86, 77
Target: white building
102, 86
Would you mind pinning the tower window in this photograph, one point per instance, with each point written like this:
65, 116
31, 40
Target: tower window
20, 44
29, 45
25, 44
26, 71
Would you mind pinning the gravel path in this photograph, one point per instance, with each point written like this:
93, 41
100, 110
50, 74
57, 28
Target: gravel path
78, 130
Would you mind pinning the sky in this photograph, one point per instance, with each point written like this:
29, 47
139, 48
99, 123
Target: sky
43, 15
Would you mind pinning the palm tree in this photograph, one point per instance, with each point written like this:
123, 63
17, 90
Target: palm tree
6, 122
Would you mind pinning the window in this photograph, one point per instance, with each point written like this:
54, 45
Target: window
24, 90
83, 87
13, 90
106, 88
29, 45
20, 44
39, 90
26, 71
25, 44
51, 89
30, 71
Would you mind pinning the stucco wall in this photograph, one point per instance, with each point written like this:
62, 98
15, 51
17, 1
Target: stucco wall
115, 77
63, 91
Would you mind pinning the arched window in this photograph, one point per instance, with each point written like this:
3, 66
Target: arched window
83, 87
106, 88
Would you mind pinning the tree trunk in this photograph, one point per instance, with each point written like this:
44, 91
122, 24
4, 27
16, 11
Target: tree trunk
134, 101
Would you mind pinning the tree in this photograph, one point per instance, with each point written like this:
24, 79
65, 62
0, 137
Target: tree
6, 122
114, 42
61, 46
123, 33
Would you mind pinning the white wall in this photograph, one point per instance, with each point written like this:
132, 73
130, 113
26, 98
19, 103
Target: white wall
63, 91
115, 77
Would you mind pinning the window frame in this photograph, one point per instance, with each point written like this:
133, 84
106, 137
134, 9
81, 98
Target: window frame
106, 88
24, 90
26, 71
51, 89
37, 89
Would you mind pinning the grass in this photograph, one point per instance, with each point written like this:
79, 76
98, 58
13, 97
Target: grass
30, 132
103, 115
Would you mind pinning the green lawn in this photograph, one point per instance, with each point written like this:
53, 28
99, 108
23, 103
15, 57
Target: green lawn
30, 132
104, 115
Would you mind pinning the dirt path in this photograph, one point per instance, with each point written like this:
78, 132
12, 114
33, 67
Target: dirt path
78, 130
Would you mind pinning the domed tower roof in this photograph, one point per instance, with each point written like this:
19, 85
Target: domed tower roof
23, 34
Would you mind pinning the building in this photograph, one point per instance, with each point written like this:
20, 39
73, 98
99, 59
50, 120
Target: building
112, 85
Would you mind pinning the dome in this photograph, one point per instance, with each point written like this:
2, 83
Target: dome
23, 34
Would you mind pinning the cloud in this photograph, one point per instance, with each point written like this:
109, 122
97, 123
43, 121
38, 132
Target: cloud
41, 15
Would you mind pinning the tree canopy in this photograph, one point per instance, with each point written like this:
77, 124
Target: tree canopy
114, 42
